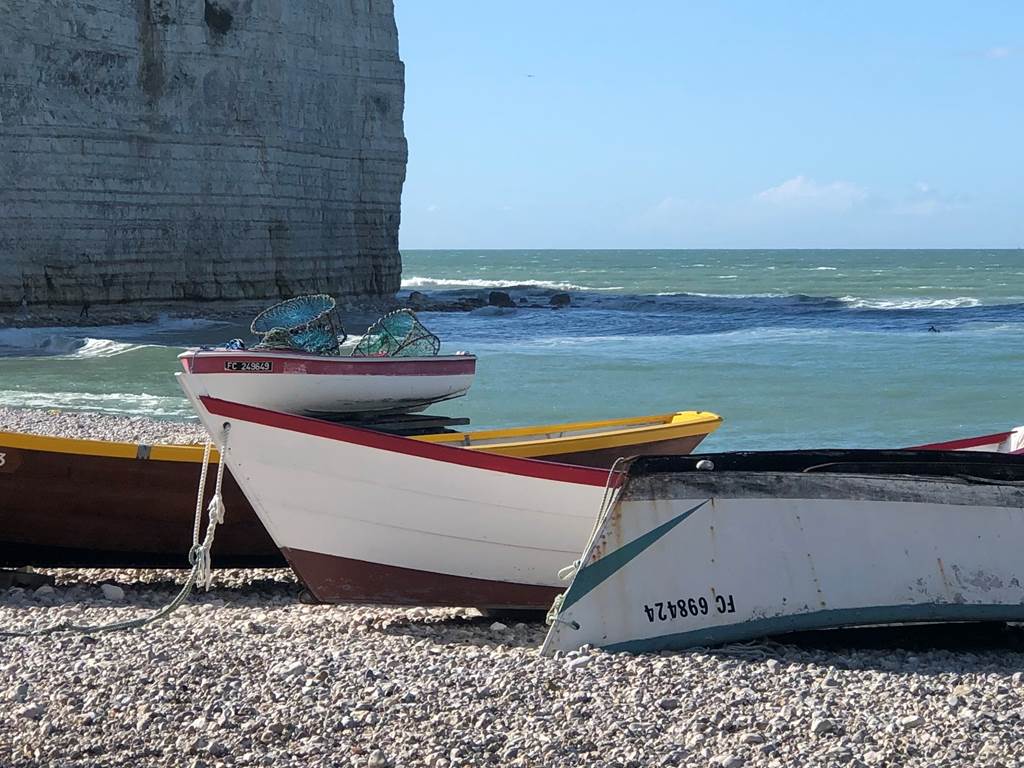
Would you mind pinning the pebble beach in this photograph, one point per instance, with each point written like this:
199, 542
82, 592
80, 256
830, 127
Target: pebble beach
248, 675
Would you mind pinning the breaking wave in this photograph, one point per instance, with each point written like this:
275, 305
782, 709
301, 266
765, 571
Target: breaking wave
415, 282
922, 303
37, 342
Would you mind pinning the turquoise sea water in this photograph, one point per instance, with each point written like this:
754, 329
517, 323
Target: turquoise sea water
793, 348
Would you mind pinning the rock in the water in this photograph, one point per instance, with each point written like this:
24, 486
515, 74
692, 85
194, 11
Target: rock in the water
417, 300
112, 592
560, 300
500, 299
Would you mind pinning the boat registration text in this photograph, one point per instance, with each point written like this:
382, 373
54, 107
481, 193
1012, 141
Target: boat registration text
249, 366
683, 607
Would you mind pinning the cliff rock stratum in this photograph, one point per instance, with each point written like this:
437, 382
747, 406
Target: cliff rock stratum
161, 151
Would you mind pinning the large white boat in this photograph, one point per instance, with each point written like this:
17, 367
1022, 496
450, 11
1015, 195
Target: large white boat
328, 386
369, 517
721, 548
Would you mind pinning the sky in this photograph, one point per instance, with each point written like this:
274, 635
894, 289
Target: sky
676, 124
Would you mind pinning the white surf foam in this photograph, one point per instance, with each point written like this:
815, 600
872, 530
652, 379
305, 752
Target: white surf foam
924, 303
416, 282
91, 347
134, 404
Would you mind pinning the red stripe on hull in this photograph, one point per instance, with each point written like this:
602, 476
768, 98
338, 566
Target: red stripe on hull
205, 362
967, 442
545, 470
333, 579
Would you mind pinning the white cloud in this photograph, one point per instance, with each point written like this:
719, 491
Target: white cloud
802, 192
999, 52
433, 208
926, 200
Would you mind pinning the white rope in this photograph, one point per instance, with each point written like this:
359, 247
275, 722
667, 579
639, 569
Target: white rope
198, 557
607, 502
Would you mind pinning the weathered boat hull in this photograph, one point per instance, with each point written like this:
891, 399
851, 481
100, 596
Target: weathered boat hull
315, 385
84, 503
82, 509
367, 517
773, 543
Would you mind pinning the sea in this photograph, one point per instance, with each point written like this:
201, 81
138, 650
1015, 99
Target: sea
793, 348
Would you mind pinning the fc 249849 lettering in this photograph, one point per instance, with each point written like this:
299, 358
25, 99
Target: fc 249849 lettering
689, 606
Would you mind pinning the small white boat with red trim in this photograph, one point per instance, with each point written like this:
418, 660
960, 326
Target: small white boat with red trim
1011, 441
364, 516
301, 364
327, 386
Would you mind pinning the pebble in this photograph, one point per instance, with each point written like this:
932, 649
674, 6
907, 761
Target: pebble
497, 626
578, 663
377, 686
822, 726
728, 761
113, 592
911, 721
85, 425
19, 693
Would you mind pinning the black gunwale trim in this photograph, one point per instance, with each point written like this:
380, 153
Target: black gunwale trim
962, 465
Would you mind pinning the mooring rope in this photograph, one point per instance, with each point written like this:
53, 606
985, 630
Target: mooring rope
611, 495
198, 558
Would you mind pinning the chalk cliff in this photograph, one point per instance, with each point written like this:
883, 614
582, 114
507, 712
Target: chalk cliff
157, 151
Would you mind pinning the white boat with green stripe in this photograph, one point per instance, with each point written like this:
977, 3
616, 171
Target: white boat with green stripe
703, 550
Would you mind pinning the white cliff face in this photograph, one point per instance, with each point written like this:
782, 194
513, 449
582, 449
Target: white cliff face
162, 150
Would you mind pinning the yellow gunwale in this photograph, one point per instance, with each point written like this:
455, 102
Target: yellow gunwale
592, 435
107, 448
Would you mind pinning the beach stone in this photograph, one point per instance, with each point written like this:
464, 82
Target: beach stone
444, 686
499, 627
578, 663
31, 712
18, 693
821, 726
113, 592
668, 703
911, 721
290, 668
560, 300
728, 761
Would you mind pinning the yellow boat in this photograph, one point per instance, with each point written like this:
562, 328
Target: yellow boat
592, 443
70, 502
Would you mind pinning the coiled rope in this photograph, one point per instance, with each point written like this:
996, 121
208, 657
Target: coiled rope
198, 557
